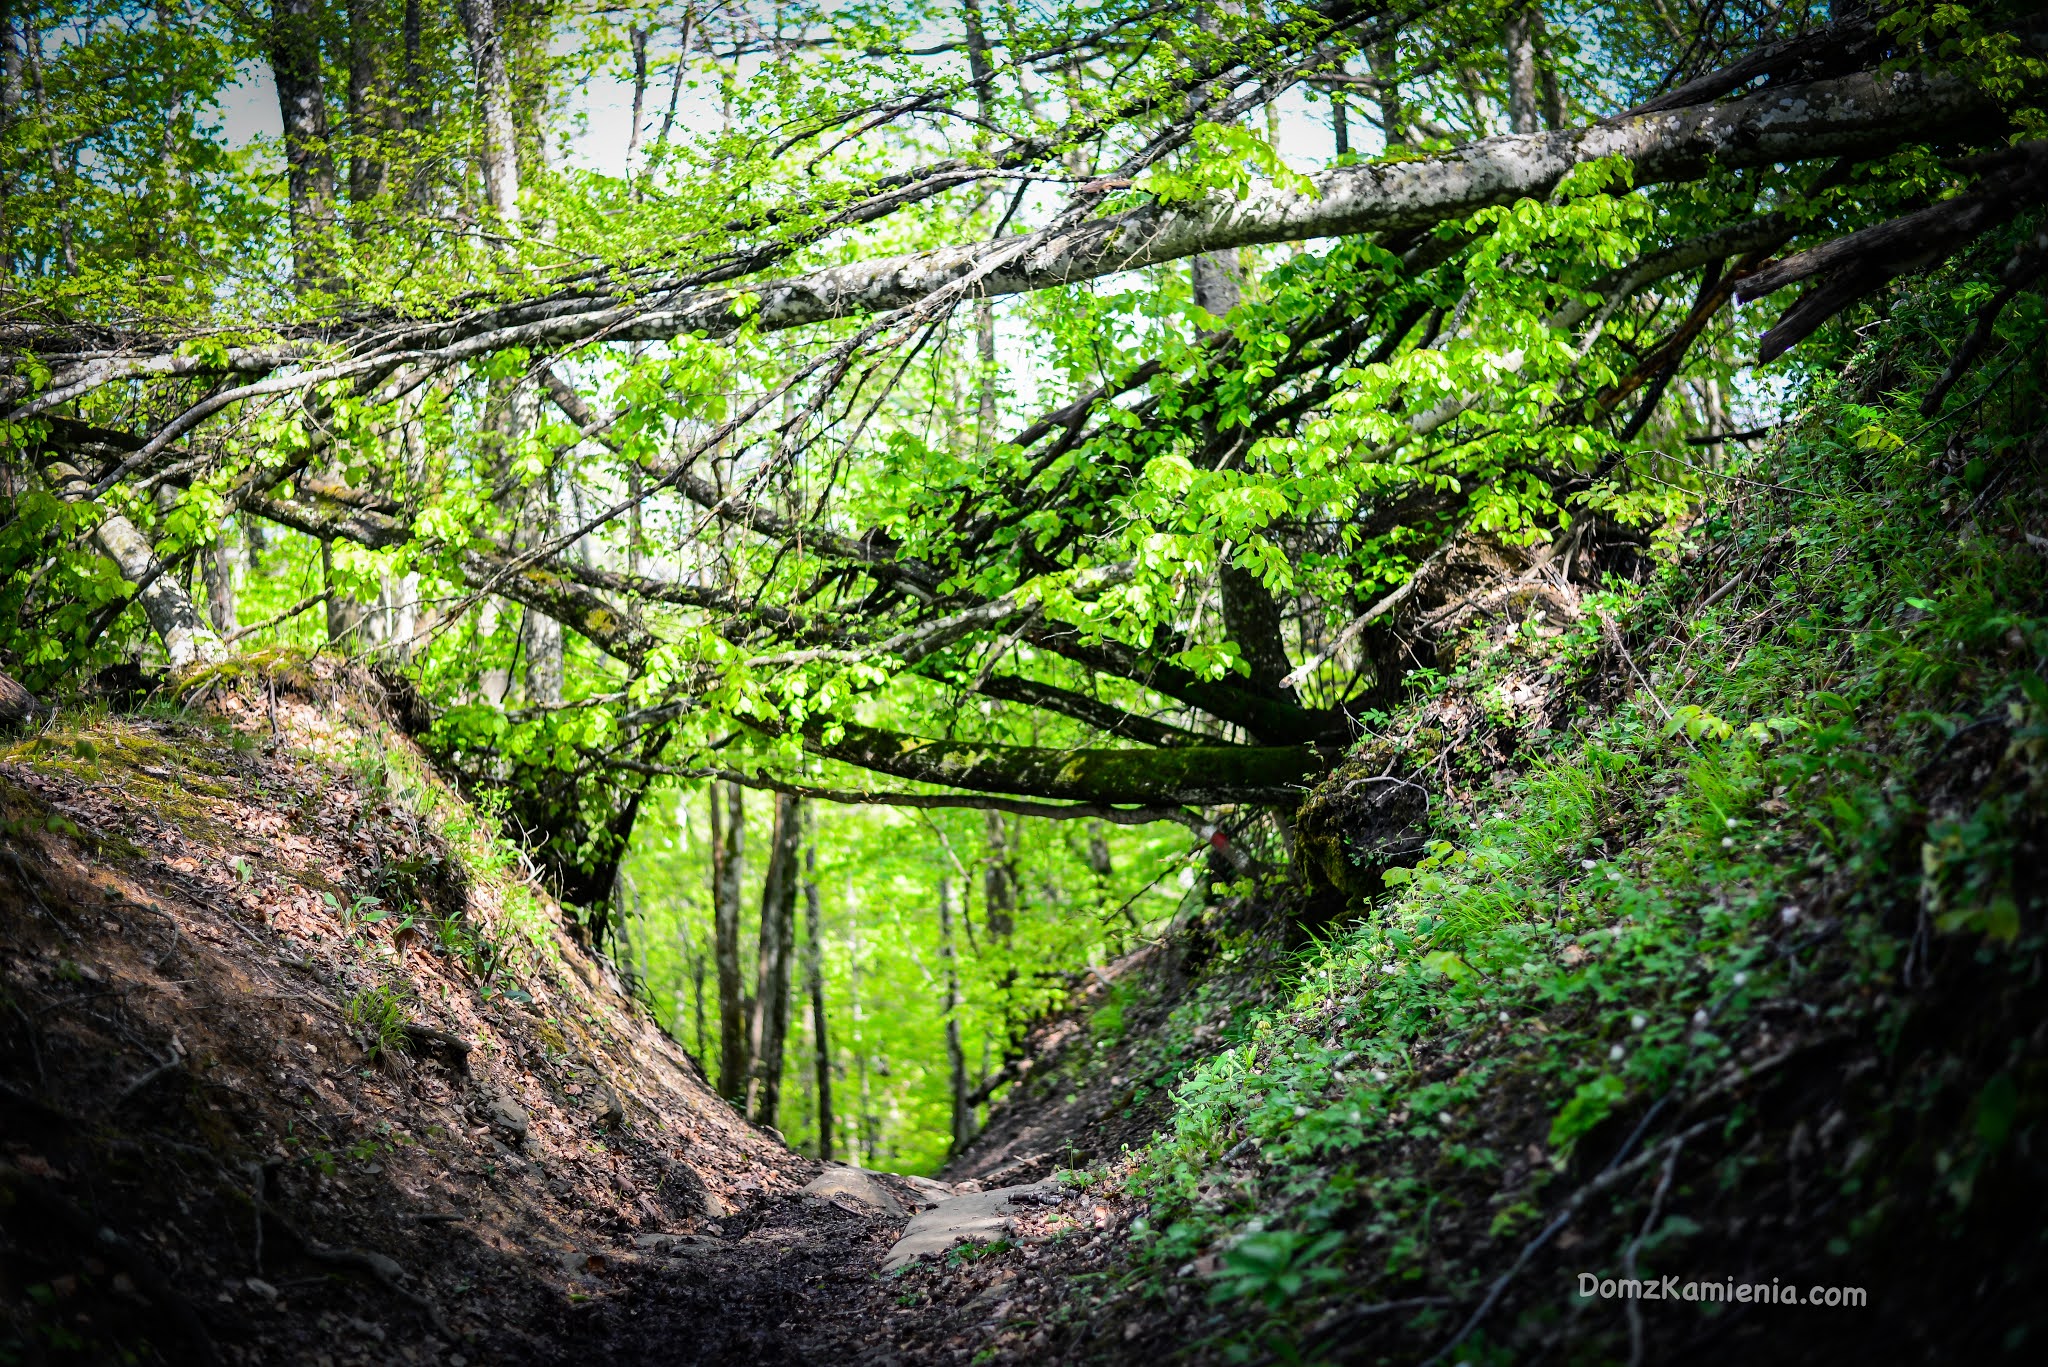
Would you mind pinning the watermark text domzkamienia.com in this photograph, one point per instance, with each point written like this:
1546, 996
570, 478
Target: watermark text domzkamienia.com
1773, 1292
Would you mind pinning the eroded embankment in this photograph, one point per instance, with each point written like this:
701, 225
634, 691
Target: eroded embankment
299, 1069
1696, 937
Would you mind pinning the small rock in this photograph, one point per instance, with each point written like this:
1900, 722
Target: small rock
982, 1217
855, 1185
677, 1243
261, 1288
931, 1192
507, 1114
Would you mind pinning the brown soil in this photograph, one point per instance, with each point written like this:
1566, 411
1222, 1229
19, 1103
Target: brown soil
201, 1161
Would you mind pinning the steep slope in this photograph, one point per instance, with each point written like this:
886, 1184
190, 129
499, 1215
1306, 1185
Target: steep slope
298, 1068
1696, 944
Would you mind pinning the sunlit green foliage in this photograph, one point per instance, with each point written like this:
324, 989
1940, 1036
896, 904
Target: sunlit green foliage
1748, 828
877, 873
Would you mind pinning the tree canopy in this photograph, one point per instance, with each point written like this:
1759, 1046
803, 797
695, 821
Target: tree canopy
1083, 410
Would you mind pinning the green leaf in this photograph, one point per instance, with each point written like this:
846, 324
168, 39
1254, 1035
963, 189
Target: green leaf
1592, 1103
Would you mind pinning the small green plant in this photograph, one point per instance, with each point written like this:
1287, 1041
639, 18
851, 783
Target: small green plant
1276, 1267
1590, 1105
970, 1251
376, 1017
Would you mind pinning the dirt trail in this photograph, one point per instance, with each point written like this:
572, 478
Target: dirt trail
249, 1115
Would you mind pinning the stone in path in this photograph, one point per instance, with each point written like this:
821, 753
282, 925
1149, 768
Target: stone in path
979, 1217
858, 1186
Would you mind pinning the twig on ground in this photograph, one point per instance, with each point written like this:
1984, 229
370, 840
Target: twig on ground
171, 1064
384, 1269
1628, 1259
1606, 1179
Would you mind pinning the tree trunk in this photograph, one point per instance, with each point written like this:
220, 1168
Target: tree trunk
416, 108
1251, 621
956, 1057
772, 963
344, 613
217, 565
1192, 775
1098, 852
728, 856
998, 879
1383, 61
1523, 111
535, 511
368, 105
697, 997
542, 638
187, 638
309, 157
638, 39
814, 972
1546, 77
1218, 281
1851, 115
863, 1145
481, 22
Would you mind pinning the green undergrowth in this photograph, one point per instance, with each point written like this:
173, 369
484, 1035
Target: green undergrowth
1810, 756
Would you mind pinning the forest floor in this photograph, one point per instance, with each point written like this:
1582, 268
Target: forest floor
252, 1117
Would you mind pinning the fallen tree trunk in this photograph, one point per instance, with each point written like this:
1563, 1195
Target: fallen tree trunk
1184, 776
1862, 113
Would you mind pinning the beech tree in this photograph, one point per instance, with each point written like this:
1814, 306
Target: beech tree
979, 405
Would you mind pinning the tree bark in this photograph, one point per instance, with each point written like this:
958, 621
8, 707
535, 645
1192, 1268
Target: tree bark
998, 879
308, 153
637, 37
697, 998
1383, 60
187, 638
773, 960
814, 973
956, 1056
1098, 853
1523, 112
728, 856
482, 22
1185, 776
344, 613
416, 108
1251, 620
542, 636
217, 565
368, 104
